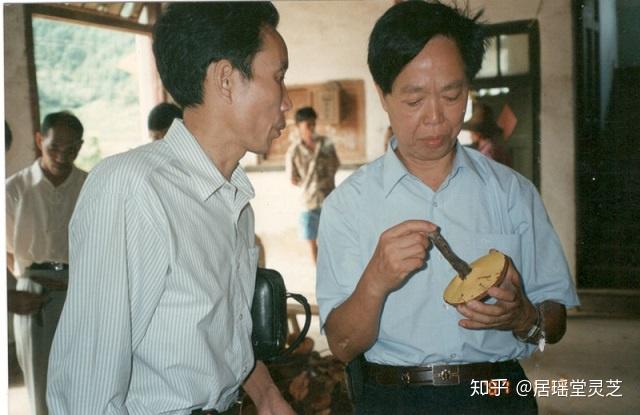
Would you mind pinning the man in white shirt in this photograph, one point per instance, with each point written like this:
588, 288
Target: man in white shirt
39, 201
163, 256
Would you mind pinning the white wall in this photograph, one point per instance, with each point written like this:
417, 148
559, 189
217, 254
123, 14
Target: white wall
328, 40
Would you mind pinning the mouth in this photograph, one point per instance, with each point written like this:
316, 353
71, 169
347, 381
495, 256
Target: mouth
433, 140
280, 127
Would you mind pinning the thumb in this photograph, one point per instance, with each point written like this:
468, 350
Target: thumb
513, 274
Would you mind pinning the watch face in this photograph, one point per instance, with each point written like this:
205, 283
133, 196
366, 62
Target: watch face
486, 272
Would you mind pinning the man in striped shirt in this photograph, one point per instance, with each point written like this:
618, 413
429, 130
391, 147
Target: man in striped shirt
163, 253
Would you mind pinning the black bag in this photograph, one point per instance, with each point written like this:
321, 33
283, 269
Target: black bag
269, 314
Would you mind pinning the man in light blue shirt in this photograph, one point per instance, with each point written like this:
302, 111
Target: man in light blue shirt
380, 286
163, 256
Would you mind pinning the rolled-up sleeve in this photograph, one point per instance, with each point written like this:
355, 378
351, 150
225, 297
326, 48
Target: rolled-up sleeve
340, 265
544, 268
117, 267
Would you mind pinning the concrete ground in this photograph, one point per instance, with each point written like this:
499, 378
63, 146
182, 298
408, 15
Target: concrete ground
595, 349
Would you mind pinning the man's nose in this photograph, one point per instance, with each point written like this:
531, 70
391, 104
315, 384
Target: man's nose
286, 101
433, 111
63, 156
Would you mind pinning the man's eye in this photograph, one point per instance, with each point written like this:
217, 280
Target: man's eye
414, 103
452, 97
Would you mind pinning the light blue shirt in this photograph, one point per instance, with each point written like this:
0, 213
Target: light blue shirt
162, 272
480, 205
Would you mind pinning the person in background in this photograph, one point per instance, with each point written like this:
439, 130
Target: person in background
486, 135
39, 201
160, 119
380, 285
163, 254
311, 163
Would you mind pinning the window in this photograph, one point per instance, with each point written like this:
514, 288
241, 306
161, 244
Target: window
98, 64
509, 83
506, 55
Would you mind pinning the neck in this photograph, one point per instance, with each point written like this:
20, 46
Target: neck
216, 140
308, 141
430, 172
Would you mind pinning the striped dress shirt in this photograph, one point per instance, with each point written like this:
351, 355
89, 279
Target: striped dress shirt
162, 273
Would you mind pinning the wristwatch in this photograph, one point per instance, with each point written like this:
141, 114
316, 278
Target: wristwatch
536, 334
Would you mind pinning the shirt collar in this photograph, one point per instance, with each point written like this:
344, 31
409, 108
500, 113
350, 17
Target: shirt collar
206, 177
39, 177
464, 161
36, 172
395, 170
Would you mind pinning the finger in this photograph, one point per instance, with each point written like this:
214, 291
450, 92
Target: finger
503, 294
411, 239
514, 277
477, 321
414, 263
477, 312
512, 273
409, 226
473, 325
485, 313
414, 251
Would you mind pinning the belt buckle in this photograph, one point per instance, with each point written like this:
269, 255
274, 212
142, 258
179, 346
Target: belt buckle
445, 375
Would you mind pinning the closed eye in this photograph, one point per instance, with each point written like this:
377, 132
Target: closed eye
452, 97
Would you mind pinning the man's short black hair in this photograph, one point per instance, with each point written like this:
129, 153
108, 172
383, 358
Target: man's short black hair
305, 114
64, 118
403, 31
162, 115
190, 36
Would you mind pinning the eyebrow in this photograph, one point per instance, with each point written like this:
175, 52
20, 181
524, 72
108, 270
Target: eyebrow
411, 89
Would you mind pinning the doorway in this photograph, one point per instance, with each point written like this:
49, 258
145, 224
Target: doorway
509, 82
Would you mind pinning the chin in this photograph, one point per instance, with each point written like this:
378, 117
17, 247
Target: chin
262, 150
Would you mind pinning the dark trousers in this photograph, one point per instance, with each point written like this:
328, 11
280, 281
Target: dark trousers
423, 400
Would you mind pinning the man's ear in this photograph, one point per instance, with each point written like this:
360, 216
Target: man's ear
219, 76
382, 96
38, 140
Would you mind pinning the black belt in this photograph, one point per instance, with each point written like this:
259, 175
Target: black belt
435, 375
49, 266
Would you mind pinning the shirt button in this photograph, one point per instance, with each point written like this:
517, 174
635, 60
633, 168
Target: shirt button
453, 355
240, 317
435, 204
